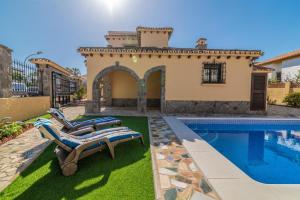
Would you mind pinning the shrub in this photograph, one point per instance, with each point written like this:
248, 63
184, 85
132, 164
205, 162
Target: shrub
10, 129
79, 94
292, 99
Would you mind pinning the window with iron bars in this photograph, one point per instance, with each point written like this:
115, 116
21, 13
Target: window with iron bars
213, 73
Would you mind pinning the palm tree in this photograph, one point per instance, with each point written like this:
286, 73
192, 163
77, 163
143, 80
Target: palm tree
76, 71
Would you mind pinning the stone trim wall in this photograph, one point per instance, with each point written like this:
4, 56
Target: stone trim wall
153, 102
5, 71
92, 107
118, 102
208, 107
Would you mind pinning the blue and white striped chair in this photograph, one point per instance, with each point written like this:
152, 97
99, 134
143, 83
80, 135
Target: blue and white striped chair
71, 148
75, 125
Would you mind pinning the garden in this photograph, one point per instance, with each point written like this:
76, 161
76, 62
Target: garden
128, 176
10, 129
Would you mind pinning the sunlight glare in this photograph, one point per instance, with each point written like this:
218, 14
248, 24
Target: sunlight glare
112, 5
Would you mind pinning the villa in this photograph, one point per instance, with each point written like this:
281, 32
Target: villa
139, 69
286, 66
187, 104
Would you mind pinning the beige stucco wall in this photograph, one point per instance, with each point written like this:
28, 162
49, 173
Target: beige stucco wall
24, 108
183, 76
155, 39
295, 89
122, 41
153, 85
123, 85
278, 94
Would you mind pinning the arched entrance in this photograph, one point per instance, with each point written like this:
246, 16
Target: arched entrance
116, 86
154, 95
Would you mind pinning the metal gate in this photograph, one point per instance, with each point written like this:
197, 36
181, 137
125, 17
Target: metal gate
62, 88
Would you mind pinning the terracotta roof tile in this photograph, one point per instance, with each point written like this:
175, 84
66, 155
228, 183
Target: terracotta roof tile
261, 68
170, 50
139, 28
50, 62
279, 58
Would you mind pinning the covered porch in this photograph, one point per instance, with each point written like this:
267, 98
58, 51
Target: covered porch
119, 88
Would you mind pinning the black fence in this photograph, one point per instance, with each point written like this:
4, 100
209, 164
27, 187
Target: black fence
62, 89
24, 79
25, 82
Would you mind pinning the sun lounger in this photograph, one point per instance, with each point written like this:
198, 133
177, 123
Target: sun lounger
71, 126
71, 148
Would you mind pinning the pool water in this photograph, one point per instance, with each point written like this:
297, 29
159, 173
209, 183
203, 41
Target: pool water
267, 150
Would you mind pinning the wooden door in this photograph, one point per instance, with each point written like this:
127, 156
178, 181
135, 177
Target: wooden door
258, 91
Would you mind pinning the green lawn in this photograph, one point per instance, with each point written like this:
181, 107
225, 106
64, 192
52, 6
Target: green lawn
129, 176
46, 116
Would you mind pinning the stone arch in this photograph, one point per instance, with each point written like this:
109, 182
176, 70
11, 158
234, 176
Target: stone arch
96, 83
162, 69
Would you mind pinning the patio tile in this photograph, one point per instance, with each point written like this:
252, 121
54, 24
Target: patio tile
175, 166
193, 167
200, 196
166, 171
160, 156
171, 194
164, 181
178, 183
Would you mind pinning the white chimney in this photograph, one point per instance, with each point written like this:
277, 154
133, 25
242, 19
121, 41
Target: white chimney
201, 43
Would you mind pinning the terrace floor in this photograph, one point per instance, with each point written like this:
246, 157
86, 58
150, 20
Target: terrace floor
175, 172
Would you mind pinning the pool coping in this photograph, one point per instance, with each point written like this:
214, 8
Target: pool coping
227, 179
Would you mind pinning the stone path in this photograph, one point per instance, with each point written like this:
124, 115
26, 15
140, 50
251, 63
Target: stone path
176, 176
19, 153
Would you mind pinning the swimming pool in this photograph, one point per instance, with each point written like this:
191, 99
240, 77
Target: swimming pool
267, 150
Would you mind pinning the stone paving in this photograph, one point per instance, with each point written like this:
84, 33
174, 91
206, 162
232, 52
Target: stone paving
19, 153
176, 176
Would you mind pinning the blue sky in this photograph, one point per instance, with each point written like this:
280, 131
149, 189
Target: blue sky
59, 27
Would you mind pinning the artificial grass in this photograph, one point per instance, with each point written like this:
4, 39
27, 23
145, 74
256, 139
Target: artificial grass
128, 176
46, 116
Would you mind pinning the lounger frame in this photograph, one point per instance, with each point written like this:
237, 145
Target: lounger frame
68, 158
